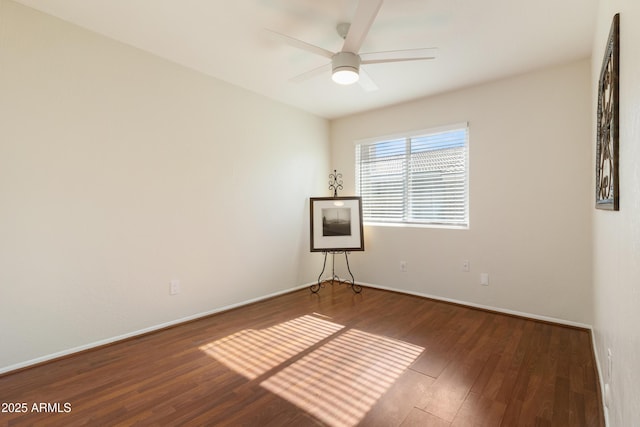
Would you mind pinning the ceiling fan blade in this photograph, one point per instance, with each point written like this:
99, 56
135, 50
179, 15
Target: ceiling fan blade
398, 55
366, 82
360, 25
311, 73
299, 44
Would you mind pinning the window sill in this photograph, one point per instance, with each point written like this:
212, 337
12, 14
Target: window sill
414, 225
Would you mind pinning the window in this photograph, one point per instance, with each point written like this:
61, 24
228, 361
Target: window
415, 179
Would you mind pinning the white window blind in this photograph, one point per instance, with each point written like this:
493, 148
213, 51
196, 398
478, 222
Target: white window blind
421, 179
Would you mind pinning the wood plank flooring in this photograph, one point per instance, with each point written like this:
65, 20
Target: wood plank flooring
334, 358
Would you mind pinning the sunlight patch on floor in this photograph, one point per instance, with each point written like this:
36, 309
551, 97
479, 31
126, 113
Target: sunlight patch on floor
339, 382
252, 352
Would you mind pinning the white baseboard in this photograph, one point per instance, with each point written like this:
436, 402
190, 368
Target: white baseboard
153, 328
605, 410
484, 307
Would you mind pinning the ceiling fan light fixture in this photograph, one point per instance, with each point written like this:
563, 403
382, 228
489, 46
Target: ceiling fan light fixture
345, 75
345, 68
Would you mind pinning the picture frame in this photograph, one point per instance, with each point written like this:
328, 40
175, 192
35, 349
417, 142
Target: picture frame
336, 224
607, 123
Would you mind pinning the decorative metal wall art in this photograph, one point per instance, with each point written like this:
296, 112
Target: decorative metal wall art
607, 191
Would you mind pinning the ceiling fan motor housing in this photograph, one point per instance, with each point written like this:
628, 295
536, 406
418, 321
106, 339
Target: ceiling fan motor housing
345, 63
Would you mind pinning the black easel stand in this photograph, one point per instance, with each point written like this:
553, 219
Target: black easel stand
334, 278
335, 184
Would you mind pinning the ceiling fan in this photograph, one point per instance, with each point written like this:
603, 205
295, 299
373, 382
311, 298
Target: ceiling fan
345, 64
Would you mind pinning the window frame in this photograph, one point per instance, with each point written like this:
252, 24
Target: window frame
407, 136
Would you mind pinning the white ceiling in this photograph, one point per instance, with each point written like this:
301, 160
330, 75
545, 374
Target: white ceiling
477, 41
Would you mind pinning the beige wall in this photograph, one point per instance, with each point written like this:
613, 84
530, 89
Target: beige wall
120, 171
616, 245
530, 197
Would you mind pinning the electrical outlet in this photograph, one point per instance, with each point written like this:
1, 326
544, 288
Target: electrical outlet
465, 265
174, 288
403, 266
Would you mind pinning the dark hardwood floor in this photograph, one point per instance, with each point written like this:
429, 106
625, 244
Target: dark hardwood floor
334, 358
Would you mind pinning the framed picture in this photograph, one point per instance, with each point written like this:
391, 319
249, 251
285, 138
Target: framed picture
336, 224
607, 122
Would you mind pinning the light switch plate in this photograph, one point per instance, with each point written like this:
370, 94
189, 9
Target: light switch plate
484, 279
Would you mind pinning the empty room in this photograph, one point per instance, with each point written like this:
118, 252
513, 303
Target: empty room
337, 213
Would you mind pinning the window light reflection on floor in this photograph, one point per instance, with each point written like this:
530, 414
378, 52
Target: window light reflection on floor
339, 382
252, 352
